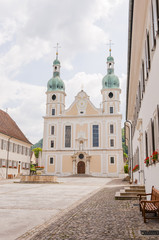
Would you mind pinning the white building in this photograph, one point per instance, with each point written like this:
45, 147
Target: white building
14, 148
142, 90
83, 139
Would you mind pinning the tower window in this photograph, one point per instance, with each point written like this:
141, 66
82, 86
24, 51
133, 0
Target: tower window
53, 97
51, 160
52, 143
111, 128
53, 111
95, 136
52, 130
112, 160
112, 142
111, 109
55, 68
67, 136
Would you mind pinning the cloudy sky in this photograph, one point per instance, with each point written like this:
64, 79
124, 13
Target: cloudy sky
29, 31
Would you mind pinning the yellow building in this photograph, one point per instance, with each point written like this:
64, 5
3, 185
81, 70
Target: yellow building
83, 139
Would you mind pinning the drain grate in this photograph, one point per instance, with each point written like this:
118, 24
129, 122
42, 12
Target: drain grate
135, 204
150, 232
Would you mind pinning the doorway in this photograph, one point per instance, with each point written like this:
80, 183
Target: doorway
81, 167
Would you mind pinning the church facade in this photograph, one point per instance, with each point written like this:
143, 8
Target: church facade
83, 139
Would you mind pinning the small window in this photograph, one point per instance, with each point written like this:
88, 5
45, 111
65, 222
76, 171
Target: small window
112, 161
112, 142
52, 130
111, 128
51, 160
111, 109
53, 111
52, 143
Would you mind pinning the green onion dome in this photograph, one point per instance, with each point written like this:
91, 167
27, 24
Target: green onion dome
55, 84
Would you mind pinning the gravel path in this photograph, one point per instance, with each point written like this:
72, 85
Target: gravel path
100, 217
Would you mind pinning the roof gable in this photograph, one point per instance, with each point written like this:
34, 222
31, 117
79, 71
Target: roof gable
10, 128
81, 105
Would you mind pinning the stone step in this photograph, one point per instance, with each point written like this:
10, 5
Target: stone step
137, 187
134, 190
118, 196
130, 192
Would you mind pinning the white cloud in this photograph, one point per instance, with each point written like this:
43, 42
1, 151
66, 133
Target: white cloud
28, 32
26, 105
35, 26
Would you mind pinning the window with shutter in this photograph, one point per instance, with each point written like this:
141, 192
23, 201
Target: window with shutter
148, 52
153, 135
153, 38
157, 127
146, 145
155, 15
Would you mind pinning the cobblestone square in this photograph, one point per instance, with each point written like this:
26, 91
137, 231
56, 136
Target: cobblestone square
98, 217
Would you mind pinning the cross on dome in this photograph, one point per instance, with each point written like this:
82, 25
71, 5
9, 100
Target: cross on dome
57, 47
110, 44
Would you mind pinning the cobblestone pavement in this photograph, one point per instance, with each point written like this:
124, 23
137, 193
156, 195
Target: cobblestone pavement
100, 217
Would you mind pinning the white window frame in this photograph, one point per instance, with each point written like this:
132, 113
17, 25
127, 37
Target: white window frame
50, 161
112, 139
52, 142
110, 160
111, 124
53, 128
111, 107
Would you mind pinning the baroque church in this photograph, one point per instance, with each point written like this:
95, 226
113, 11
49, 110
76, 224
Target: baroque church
83, 139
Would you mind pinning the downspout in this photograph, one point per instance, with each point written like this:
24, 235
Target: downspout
130, 148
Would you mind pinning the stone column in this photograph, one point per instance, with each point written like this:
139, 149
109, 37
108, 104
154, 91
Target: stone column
74, 164
88, 165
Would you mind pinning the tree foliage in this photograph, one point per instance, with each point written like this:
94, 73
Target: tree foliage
125, 148
36, 151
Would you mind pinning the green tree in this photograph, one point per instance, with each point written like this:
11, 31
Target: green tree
125, 148
36, 151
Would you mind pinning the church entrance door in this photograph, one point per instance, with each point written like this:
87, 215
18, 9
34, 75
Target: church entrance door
81, 167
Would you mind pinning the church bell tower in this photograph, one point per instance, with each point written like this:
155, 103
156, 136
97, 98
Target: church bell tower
110, 89
55, 91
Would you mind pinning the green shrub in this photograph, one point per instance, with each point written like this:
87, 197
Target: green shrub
126, 168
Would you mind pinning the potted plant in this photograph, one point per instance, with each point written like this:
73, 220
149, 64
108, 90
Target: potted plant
147, 161
154, 156
135, 168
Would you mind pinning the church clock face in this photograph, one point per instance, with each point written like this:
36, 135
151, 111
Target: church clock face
110, 95
53, 97
82, 104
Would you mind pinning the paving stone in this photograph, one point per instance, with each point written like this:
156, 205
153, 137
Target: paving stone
100, 217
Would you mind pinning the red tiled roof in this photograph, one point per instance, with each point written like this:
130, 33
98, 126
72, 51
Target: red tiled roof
10, 128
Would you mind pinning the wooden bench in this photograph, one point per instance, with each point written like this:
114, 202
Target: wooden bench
151, 206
